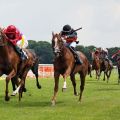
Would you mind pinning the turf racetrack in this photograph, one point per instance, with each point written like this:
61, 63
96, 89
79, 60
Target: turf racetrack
101, 101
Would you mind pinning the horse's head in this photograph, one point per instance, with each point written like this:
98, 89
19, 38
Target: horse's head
57, 44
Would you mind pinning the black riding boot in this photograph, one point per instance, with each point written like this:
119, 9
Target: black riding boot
78, 60
20, 53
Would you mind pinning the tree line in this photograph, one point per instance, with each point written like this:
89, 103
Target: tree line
45, 53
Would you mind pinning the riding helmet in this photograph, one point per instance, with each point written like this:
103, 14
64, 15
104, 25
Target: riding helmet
67, 28
11, 29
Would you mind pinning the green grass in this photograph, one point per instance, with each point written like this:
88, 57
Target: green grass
101, 101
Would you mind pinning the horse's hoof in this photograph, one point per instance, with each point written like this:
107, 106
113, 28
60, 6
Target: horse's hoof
24, 90
64, 89
76, 94
39, 86
53, 102
7, 98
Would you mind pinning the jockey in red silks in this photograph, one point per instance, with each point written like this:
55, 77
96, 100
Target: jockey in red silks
116, 55
70, 36
13, 35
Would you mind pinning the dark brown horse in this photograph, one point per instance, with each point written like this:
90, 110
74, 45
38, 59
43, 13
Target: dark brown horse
116, 57
96, 64
118, 65
106, 66
10, 64
64, 64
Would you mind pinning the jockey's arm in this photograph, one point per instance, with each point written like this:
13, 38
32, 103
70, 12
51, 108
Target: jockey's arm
73, 35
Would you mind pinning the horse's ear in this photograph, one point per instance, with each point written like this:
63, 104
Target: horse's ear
52, 33
60, 34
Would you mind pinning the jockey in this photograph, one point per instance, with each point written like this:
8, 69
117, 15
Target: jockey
116, 55
96, 51
13, 35
70, 36
104, 53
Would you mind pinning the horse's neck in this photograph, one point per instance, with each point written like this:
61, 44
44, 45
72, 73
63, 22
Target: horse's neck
66, 55
5, 51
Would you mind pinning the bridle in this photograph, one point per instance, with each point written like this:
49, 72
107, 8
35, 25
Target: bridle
57, 47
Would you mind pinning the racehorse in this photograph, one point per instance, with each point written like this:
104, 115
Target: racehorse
64, 64
10, 64
116, 57
96, 64
106, 66
118, 65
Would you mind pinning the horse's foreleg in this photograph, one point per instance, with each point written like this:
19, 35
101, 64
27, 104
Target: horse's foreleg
104, 75
56, 80
82, 76
8, 78
64, 84
109, 75
99, 74
73, 83
22, 82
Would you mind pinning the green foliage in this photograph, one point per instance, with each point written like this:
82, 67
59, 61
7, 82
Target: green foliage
43, 49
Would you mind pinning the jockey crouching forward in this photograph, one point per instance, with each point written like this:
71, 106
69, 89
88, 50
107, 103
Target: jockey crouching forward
70, 36
105, 54
15, 37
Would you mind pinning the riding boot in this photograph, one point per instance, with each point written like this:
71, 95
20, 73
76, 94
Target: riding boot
20, 53
78, 60
107, 59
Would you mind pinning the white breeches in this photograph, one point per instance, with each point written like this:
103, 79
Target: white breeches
22, 45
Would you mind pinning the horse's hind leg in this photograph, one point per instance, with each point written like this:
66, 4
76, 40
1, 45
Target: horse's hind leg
13, 84
82, 76
104, 76
56, 80
35, 71
72, 77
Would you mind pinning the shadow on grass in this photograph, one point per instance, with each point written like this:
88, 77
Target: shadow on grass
25, 103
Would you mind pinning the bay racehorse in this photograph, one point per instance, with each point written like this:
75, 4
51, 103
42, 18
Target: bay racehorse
10, 64
106, 66
96, 63
64, 64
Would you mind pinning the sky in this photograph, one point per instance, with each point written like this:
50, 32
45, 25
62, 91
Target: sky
37, 19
